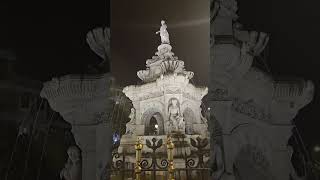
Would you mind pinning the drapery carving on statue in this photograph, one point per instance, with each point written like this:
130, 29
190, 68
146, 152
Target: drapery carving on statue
130, 126
175, 120
163, 33
132, 116
72, 169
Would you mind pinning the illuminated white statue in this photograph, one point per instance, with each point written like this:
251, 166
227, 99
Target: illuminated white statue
164, 33
176, 121
132, 116
130, 126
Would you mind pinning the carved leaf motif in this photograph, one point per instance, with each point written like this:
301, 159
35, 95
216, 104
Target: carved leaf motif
193, 142
204, 142
159, 143
148, 143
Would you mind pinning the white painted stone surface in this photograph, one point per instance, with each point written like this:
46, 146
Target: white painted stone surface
85, 103
167, 95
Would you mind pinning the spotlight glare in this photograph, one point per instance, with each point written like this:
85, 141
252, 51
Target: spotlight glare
316, 149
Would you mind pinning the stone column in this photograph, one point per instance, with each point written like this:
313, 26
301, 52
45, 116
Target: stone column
85, 102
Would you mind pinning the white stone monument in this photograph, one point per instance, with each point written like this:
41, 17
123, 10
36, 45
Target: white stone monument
165, 103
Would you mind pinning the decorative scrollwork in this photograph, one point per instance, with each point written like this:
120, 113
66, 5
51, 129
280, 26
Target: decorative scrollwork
164, 163
117, 162
156, 160
145, 164
200, 153
191, 163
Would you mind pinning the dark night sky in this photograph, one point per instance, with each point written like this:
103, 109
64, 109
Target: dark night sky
134, 39
49, 38
294, 46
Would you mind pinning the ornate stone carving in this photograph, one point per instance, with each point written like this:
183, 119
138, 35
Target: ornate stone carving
158, 102
218, 94
249, 108
164, 52
163, 63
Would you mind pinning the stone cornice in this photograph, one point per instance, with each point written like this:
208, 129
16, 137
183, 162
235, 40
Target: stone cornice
86, 86
170, 84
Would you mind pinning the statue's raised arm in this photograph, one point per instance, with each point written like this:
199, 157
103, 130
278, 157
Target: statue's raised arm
164, 33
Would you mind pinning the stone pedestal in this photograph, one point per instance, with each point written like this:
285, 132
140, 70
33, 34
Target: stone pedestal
85, 103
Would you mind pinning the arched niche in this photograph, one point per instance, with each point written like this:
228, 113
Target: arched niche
189, 118
151, 118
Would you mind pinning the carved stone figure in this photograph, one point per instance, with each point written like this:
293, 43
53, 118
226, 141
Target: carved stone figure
132, 116
175, 118
130, 126
164, 33
72, 169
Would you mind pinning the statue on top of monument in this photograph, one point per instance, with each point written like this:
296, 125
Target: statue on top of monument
164, 33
